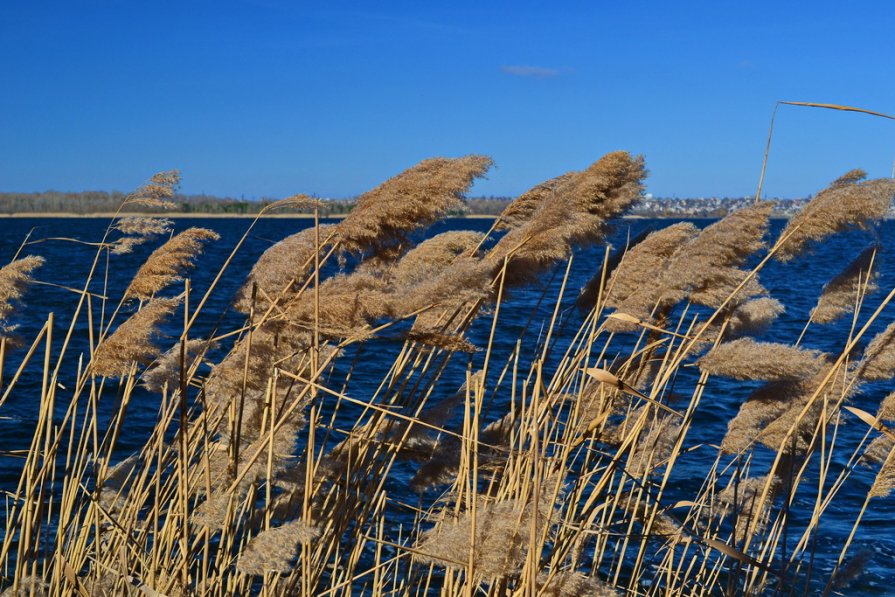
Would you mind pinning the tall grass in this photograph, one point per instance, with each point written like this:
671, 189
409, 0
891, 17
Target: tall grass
553, 469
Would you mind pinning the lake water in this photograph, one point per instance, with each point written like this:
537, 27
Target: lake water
797, 285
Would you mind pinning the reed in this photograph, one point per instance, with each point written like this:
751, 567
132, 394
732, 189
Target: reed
577, 457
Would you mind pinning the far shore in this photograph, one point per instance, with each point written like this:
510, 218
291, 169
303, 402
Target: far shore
186, 215
181, 214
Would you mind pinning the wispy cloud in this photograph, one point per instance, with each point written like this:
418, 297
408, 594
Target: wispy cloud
532, 72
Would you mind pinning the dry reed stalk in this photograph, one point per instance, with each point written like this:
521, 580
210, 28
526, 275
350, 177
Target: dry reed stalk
849, 202
132, 342
149, 538
167, 263
840, 294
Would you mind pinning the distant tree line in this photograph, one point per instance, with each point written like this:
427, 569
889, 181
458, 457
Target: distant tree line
88, 202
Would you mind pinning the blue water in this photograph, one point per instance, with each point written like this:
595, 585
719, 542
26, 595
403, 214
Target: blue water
796, 285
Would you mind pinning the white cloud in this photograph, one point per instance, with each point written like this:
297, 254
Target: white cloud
533, 72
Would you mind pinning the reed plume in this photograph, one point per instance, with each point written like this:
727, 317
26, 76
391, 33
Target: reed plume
754, 317
136, 231
573, 584
444, 456
166, 371
350, 303
287, 262
639, 265
115, 481
578, 214
878, 361
157, 192
609, 186
764, 405
250, 365
886, 410
274, 549
852, 569
462, 284
878, 450
663, 526
707, 269
29, 586
840, 388
433, 256
739, 499
448, 342
143, 226
632, 287
849, 202
747, 359
885, 479
435, 273
840, 294
773, 409
167, 263
521, 209
499, 540
654, 446
132, 342
15, 278
502, 531
409, 201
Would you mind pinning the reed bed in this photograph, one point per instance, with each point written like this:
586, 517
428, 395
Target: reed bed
560, 463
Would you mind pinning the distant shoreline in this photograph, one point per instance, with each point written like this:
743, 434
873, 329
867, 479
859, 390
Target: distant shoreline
182, 214
215, 216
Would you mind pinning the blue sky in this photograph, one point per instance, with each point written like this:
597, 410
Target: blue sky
270, 98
